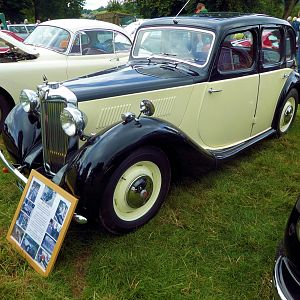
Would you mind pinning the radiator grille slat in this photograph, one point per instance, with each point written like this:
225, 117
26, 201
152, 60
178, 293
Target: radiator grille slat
55, 141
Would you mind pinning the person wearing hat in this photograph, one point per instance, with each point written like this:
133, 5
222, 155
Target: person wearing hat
201, 9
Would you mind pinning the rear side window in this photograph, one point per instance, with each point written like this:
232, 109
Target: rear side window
236, 52
271, 44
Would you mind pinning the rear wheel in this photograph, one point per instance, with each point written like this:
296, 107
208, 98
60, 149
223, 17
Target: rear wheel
135, 191
287, 112
4, 110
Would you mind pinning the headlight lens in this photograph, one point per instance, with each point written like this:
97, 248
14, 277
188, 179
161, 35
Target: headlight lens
73, 121
29, 100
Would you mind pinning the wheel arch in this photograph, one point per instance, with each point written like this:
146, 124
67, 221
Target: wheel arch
293, 82
88, 173
7, 96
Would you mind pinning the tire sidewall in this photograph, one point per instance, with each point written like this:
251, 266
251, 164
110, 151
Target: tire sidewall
107, 215
294, 94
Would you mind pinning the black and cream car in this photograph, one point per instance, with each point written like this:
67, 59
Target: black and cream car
195, 91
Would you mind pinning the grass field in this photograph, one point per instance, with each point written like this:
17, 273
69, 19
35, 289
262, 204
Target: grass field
215, 238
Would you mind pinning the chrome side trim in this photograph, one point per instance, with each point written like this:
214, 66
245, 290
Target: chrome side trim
14, 170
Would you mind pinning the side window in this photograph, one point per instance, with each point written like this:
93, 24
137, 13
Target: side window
122, 43
271, 44
236, 52
289, 45
76, 49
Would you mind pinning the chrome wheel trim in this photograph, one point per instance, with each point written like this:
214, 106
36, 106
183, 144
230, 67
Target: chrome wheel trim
130, 204
287, 115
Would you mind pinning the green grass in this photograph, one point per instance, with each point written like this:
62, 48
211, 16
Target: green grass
215, 238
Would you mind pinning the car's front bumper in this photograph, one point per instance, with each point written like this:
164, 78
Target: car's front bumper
14, 170
286, 282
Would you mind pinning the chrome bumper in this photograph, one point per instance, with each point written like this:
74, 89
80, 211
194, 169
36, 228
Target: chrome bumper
12, 169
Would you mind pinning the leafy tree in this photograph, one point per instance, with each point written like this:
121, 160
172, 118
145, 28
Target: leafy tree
114, 5
13, 9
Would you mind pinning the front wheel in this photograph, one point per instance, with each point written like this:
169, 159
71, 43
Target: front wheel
287, 112
135, 191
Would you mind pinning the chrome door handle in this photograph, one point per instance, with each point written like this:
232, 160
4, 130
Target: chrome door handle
211, 90
115, 59
285, 76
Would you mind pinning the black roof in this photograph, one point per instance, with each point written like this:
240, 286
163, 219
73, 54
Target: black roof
216, 21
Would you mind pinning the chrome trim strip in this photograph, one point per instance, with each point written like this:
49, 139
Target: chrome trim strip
13, 169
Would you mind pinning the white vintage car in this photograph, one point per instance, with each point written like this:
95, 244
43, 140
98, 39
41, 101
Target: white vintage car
59, 49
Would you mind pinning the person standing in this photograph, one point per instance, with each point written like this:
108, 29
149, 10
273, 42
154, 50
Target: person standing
201, 9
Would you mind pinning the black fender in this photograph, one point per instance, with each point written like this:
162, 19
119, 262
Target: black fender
86, 176
22, 136
293, 81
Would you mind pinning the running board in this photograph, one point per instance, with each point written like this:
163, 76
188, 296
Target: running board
231, 151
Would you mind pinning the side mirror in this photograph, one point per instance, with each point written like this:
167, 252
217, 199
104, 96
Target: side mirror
147, 108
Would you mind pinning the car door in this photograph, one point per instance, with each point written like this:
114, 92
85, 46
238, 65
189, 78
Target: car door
92, 51
122, 46
229, 102
273, 75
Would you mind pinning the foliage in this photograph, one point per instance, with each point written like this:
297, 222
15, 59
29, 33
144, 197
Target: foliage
114, 5
17, 11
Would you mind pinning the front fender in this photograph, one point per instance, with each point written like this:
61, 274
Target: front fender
88, 173
22, 135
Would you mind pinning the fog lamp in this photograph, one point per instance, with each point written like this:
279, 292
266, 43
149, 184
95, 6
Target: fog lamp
73, 121
29, 100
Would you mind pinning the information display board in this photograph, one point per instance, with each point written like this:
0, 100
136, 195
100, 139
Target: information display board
41, 221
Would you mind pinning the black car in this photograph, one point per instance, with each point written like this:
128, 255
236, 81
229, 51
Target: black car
286, 275
208, 87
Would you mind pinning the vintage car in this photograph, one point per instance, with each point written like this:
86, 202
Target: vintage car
189, 97
59, 49
21, 30
286, 274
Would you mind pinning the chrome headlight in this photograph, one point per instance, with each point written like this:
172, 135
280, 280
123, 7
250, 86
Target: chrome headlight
29, 100
73, 121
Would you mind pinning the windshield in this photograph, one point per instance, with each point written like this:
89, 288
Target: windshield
181, 44
50, 37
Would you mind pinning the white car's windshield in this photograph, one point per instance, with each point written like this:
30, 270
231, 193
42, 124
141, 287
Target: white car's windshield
50, 37
181, 44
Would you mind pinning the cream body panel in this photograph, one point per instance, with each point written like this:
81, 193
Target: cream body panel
79, 65
27, 74
271, 84
170, 105
226, 117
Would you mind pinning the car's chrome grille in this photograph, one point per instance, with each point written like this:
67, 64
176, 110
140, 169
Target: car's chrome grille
55, 141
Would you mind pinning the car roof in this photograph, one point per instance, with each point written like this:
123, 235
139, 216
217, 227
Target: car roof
74, 25
217, 21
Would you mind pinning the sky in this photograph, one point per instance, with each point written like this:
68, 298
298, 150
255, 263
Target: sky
94, 4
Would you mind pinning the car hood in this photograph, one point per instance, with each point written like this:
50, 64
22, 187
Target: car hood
18, 46
131, 79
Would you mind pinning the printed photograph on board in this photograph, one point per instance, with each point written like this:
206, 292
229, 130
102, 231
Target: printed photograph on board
27, 207
29, 245
34, 189
17, 233
48, 243
43, 258
61, 212
53, 229
48, 196
22, 220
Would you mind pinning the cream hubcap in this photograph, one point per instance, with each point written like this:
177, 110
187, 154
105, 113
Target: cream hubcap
287, 115
137, 190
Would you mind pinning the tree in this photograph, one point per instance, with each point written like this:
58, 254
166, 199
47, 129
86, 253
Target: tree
13, 9
288, 7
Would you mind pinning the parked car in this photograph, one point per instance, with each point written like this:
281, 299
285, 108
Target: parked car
21, 30
4, 48
286, 275
59, 49
204, 98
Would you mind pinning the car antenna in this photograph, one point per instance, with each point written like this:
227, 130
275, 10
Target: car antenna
174, 20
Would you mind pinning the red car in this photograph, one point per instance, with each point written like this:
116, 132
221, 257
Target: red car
4, 48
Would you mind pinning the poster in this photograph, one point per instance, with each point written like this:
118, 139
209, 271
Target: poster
41, 221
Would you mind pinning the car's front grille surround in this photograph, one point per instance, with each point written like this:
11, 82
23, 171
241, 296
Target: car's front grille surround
55, 141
